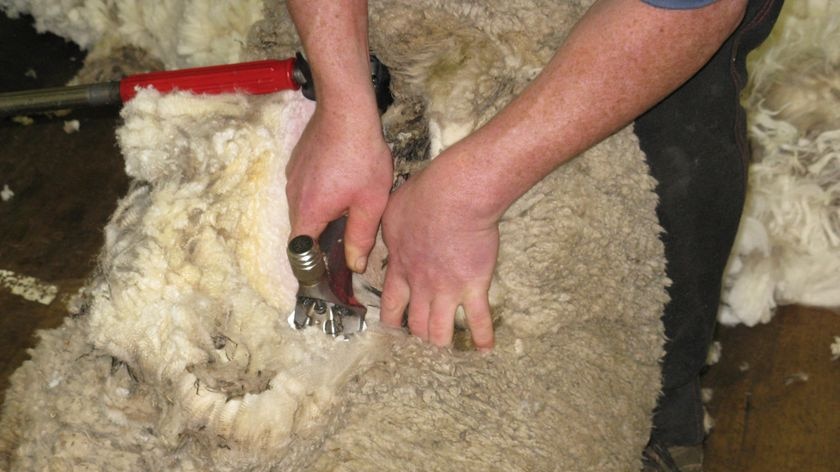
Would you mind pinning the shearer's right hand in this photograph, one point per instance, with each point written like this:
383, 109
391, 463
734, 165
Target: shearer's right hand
341, 165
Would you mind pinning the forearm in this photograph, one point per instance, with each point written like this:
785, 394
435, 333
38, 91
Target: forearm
622, 58
342, 148
334, 37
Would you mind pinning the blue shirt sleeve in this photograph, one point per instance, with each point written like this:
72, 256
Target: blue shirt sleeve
679, 4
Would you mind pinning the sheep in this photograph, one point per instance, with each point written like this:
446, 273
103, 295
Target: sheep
193, 291
784, 253
179, 356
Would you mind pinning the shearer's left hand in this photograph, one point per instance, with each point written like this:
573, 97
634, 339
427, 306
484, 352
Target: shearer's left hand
441, 254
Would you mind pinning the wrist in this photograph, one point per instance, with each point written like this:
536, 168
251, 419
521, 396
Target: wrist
494, 166
334, 37
348, 101
344, 81
471, 188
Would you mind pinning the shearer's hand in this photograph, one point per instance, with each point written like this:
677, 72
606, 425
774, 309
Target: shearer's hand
341, 164
440, 255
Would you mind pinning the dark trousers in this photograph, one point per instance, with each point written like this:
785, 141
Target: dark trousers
696, 146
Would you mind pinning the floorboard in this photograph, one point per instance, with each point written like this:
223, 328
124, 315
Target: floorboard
776, 395
65, 187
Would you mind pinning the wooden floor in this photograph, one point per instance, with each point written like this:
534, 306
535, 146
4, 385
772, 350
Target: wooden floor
776, 389
776, 396
65, 187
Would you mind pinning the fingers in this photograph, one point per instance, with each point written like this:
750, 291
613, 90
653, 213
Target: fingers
434, 321
442, 321
477, 308
360, 236
418, 317
395, 293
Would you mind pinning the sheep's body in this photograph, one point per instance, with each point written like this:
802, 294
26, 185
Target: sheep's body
193, 293
223, 383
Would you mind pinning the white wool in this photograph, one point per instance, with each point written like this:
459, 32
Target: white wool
23, 120
796, 377
6, 193
835, 348
28, 287
788, 247
215, 32
185, 33
71, 126
708, 421
713, 356
179, 33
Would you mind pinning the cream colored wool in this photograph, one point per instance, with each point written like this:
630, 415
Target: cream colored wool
788, 246
193, 291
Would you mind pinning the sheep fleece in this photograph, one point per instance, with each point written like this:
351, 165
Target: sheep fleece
178, 356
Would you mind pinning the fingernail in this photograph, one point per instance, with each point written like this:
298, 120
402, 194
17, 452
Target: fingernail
361, 262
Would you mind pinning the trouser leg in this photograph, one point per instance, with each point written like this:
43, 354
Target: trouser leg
696, 147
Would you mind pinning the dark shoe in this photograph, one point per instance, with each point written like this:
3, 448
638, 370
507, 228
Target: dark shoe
658, 458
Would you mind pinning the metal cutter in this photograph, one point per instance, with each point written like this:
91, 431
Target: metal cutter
325, 294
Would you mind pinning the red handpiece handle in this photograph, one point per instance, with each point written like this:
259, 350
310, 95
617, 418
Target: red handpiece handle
257, 77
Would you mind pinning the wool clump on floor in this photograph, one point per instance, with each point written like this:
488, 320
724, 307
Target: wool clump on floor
788, 247
6, 193
178, 357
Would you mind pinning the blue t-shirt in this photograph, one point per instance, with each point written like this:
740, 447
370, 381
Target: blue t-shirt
678, 4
